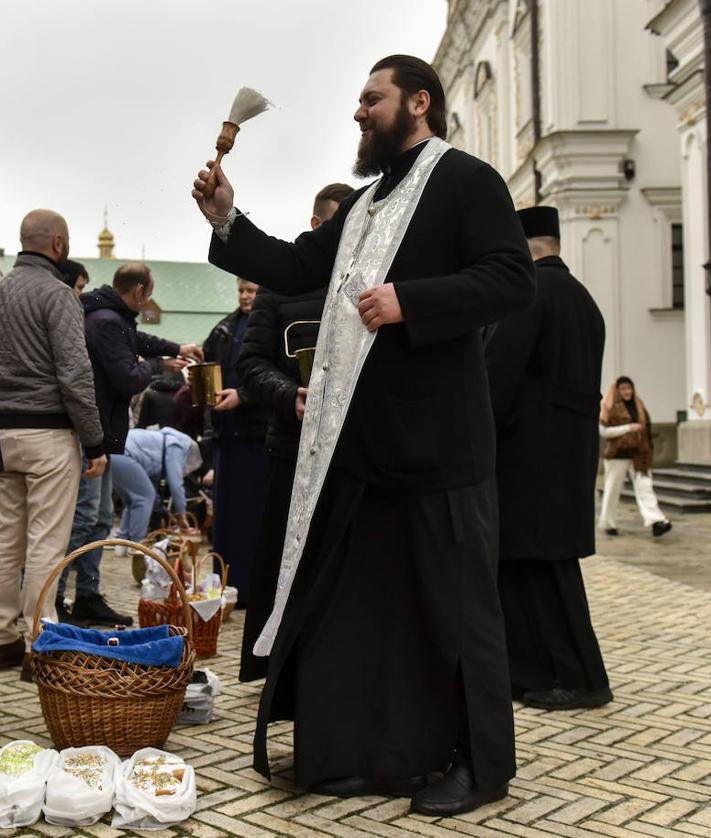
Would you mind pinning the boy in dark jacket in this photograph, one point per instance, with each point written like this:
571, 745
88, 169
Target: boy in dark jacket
115, 345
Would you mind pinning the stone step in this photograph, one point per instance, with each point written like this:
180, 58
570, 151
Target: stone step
696, 489
698, 474
678, 503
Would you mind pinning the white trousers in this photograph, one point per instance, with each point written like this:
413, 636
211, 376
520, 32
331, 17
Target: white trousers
615, 473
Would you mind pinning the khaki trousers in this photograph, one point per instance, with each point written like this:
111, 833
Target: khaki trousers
38, 492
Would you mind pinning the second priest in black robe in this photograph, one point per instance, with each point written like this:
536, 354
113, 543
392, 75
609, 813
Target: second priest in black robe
544, 368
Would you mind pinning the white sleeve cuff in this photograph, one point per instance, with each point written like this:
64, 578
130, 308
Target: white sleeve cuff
222, 228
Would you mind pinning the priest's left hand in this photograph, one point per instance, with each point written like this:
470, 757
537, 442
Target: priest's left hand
379, 306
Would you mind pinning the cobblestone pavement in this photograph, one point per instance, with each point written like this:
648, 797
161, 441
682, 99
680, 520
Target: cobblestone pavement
639, 767
684, 554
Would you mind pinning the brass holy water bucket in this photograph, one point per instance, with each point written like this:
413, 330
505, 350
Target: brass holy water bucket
206, 383
305, 356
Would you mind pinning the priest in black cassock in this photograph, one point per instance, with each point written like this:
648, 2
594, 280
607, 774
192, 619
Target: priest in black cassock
544, 368
387, 641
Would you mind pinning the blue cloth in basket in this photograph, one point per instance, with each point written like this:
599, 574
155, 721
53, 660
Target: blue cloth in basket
148, 646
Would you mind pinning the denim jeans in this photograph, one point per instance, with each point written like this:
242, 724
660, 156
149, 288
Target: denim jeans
93, 518
135, 488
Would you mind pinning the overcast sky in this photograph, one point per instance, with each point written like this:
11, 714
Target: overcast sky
119, 102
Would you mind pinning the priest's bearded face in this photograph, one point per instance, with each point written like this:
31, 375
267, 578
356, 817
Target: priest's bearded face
386, 123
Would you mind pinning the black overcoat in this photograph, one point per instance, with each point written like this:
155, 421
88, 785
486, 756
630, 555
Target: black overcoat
420, 416
544, 369
394, 604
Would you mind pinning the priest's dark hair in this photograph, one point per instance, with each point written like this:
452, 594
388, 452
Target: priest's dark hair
72, 271
333, 192
131, 274
411, 74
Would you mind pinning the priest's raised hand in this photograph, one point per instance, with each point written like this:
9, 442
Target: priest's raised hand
379, 306
218, 205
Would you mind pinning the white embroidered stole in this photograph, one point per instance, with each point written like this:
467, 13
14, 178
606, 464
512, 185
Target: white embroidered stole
370, 239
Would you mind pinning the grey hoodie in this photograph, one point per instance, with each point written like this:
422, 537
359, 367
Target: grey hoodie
46, 380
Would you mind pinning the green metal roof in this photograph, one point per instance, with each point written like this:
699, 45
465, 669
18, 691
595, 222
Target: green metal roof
180, 286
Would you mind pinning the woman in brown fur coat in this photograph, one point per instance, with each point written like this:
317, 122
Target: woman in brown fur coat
627, 431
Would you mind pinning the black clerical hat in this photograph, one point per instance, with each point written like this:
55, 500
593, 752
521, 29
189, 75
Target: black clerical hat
540, 221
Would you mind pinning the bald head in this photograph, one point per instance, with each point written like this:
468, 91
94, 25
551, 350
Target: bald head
46, 232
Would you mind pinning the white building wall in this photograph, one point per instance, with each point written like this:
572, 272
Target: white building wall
595, 60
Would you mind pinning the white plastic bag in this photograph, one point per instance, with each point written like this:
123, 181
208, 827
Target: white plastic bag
21, 787
81, 800
199, 704
150, 590
155, 572
139, 807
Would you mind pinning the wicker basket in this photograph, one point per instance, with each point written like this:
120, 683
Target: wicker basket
170, 610
228, 607
193, 523
90, 700
206, 632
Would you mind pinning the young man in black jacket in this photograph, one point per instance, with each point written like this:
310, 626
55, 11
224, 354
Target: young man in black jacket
115, 345
271, 378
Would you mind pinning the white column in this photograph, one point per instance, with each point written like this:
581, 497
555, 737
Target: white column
695, 434
696, 304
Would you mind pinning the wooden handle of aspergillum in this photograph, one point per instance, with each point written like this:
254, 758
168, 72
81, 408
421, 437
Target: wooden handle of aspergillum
223, 145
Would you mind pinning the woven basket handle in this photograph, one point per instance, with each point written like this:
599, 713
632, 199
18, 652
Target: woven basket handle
111, 542
223, 566
179, 568
163, 533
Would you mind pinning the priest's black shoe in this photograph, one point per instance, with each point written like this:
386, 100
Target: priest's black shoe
567, 699
612, 531
362, 787
456, 792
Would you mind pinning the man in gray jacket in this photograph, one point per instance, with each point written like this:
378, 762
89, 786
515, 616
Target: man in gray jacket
47, 406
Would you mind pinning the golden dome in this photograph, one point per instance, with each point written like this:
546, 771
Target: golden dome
106, 240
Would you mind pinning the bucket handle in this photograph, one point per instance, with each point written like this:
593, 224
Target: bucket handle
296, 323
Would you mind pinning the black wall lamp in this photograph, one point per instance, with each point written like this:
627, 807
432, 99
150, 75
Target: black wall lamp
629, 169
